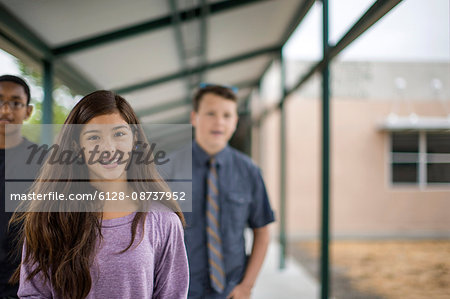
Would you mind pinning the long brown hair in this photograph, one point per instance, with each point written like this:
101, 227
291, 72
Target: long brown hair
61, 246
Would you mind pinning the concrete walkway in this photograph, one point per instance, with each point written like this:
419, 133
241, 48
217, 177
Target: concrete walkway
292, 282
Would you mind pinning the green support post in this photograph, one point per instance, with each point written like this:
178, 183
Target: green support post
47, 105
325, 227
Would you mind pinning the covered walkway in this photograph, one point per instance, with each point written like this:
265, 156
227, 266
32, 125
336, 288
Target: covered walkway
156, 55
294, 281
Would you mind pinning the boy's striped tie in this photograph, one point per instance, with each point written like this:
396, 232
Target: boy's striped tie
215, 258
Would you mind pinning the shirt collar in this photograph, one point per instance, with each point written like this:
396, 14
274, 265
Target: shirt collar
202, 157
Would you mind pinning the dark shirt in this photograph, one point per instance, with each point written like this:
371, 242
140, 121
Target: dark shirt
14, 168
243, 202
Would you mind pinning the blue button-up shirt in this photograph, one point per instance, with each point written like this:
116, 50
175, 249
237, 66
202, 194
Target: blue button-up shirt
243, 202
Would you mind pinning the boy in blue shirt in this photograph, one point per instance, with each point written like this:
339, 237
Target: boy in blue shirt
228, 194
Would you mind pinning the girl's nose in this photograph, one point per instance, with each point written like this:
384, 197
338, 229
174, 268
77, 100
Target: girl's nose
108, 146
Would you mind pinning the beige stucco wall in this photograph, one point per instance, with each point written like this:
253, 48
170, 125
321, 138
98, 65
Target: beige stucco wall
363, 202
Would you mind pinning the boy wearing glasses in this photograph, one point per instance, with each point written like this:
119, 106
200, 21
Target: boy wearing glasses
228, 194
14, 109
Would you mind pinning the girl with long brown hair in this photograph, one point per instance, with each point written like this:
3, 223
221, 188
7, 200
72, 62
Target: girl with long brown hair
123, 248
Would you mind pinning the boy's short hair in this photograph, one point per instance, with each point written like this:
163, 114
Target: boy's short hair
19, 81
222, 91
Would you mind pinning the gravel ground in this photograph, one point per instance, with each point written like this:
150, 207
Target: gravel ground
341, 284
383, 269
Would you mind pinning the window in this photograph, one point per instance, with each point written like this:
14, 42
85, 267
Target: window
438, 158
420, 158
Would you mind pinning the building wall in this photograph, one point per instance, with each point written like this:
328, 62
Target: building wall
363, 203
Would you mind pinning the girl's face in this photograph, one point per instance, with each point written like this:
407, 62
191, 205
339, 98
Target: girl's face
103, 139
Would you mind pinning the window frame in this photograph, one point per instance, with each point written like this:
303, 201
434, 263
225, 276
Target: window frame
422, 162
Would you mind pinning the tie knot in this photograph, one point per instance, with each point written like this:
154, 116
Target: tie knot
212, 162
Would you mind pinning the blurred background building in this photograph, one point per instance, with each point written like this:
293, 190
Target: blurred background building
390, 151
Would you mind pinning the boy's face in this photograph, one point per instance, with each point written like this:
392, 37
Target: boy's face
11, 92
214, 122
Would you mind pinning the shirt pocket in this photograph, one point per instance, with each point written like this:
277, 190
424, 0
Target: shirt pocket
236, 209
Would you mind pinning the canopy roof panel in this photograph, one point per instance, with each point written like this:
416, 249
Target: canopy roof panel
60, 21
149, 98
251, 27
135, 59
239, 73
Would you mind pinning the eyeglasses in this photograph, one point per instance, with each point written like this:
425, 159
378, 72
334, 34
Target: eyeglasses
13, 105
233, 88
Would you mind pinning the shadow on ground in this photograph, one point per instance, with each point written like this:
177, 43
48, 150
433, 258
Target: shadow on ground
341, 285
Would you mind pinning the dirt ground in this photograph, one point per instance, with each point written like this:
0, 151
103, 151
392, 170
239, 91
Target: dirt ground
384, 269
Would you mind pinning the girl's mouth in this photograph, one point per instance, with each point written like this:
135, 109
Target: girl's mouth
109, 163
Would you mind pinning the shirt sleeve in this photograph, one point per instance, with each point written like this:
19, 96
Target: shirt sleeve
261, 213
34, 288
171, 269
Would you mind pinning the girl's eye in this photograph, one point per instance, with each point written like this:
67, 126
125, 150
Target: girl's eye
119, 134
93, 137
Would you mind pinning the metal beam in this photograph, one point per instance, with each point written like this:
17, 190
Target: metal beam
74, 79
47, 111
179, 119
25, 41
325, 211
173, 140
165, 131
186, 119
244, 108
36, 57
182, 120
198, 52
217, 64
378, 10
47, 104
147, 26
170, 135
244, 104
203, 36
178, 35
175, 104
302, 10
22, 35
161, 108
369, 18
